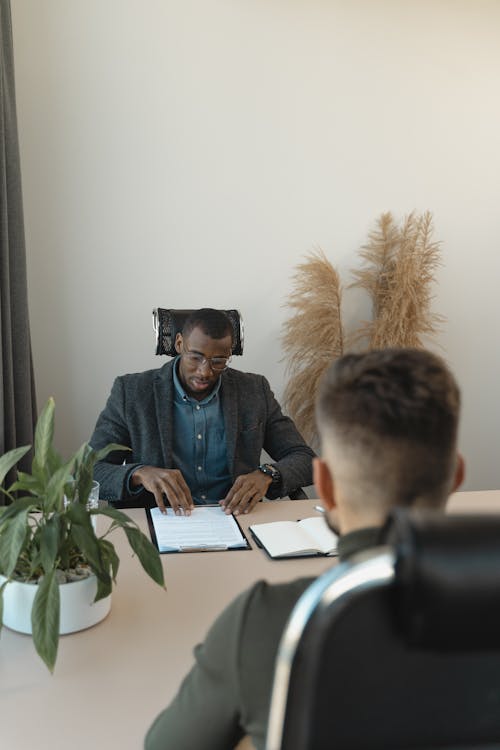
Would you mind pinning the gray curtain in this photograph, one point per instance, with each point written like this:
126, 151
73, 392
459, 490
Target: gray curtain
17, 389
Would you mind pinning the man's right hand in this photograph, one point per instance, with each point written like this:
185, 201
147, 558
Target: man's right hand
168, 482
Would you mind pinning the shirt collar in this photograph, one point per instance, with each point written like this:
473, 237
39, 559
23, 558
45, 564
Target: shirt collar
358, 540
179, 389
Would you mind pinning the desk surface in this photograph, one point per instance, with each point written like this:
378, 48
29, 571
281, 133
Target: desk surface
110, 681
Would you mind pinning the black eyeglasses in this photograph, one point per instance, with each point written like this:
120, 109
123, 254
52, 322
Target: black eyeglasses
217, 364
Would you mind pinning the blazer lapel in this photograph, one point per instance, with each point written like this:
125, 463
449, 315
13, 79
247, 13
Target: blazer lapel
229, 396
163, 390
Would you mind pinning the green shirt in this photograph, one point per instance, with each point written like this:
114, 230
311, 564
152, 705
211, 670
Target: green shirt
227, 693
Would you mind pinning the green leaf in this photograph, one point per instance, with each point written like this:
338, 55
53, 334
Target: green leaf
27, 483
110, 557
145, 551
103, 589
18, 506
79, 456
83, 536
103, 452
49, 542
45, 619
44, 433
55, 488
12, 540
120, 518
78, 514
40, 474
83, 471
147, 554
84, 482
86, 542
54, 460
10, 459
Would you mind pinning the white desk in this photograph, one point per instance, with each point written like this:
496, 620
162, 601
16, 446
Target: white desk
484, 501
110, 681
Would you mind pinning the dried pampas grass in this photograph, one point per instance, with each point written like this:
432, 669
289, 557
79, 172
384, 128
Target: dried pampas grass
399, 271
311, 338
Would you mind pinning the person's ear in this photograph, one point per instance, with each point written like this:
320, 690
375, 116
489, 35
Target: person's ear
459, 473
324, 483
178, 342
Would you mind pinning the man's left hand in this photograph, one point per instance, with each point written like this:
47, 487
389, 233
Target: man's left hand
246, 492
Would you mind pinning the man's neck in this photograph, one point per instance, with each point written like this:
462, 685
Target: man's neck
348, 522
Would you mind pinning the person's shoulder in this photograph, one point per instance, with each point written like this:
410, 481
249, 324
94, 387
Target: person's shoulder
279, 594
260, 618
233, 372
141, 380
244, 378
271, 602
264, 596
146, 376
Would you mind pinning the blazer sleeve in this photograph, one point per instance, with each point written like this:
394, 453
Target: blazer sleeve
113, 472
286, 447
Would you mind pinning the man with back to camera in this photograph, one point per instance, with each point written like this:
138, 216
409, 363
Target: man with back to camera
196, 429
388, 425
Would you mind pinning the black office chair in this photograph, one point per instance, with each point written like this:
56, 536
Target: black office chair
399, 647
167, 323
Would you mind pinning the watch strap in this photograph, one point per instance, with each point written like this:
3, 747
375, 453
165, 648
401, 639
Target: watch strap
271, 471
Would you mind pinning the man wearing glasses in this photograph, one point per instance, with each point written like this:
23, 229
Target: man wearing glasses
196, 429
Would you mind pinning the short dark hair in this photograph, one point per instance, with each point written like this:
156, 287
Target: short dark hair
400, 407
213, 323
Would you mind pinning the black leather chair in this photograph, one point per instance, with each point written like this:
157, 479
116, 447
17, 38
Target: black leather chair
168, 322
399, 647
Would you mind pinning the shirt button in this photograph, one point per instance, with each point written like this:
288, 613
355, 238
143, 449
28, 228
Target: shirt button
198, 436
203, 497
199, 468
198, 407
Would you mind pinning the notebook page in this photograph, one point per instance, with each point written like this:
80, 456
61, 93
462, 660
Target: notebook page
324, 537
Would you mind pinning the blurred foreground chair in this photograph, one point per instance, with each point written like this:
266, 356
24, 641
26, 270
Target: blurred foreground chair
399, 647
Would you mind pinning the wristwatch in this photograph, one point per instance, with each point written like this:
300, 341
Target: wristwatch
271, 471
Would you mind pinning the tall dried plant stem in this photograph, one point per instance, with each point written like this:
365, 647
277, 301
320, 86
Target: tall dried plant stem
398, 275
312, 338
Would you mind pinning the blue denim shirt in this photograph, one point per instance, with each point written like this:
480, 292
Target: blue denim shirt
199, 443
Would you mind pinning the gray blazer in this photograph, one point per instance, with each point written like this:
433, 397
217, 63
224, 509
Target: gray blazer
139, 414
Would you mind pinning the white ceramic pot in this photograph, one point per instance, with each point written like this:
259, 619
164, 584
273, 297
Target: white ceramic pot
78, 609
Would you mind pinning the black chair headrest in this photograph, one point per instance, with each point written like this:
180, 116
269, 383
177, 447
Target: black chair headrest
168, 323
447, 578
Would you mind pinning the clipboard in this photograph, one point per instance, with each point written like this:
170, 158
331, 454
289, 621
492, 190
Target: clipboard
227, 536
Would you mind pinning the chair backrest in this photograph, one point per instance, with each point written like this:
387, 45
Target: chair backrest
168, 322
399, 647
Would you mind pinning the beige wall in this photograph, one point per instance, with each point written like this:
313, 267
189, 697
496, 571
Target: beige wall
190, 153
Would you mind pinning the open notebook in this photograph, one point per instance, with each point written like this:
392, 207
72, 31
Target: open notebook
305, 538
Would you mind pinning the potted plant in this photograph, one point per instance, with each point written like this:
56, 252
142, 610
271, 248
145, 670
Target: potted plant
48, 545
